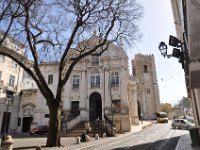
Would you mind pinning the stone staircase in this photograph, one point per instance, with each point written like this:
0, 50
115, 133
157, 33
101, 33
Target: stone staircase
78, 130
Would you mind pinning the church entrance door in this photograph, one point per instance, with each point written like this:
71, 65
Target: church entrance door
95, 106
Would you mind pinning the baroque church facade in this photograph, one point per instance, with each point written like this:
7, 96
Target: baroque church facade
99, 87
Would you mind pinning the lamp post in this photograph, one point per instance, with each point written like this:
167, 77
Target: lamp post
5, 129
6, 117
178, 50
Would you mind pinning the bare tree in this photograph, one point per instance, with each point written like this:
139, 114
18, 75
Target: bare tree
185, 104
52, 29
10, 10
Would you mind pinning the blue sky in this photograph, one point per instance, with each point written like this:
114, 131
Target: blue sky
156, 25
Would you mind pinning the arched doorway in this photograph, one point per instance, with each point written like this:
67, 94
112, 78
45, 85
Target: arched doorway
95, 106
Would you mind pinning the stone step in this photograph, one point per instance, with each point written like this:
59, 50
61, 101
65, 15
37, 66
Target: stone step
78, 130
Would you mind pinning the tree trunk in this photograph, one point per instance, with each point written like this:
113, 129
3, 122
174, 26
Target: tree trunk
53, 138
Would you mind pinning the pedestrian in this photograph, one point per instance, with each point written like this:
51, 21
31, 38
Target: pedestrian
87, 126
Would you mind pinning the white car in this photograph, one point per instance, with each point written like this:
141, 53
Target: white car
182, 124
189, 118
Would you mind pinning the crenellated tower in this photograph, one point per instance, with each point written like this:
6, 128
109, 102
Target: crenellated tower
144, 70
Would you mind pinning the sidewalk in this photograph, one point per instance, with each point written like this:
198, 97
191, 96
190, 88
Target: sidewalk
185, 143
102, 141
69, 143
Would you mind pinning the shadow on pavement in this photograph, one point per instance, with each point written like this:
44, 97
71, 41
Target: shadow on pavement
168, 144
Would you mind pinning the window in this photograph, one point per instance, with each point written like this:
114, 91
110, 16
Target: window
2, 58
14, 64
95, 81
76, 81
145, 69
148, 90
182, 122
116, 106
28, 112
19, 121
46, 115
11, 81
115, 79
95, 60
50, 79
0, 75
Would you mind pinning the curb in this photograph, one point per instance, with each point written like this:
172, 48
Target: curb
143, 127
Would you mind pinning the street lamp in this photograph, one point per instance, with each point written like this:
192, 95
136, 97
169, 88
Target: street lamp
177, 52
163, 48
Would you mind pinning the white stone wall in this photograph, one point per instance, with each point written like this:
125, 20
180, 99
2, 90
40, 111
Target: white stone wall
33, 105
114, 59
9, 67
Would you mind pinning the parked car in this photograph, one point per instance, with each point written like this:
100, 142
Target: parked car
189, 118
182, 124
41, 129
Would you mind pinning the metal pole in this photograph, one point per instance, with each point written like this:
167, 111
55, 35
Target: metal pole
112, 117
141, 113
6, 118
111, 104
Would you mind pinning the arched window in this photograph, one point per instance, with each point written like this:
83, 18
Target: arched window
148, 90
145, 69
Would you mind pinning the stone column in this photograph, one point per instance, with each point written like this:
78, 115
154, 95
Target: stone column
83, 107
107, 91
123, 85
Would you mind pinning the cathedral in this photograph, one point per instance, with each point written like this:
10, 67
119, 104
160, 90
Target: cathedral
144, 70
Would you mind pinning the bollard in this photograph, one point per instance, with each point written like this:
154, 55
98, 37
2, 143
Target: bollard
113, 131
78, 140
104, 135
7, 143
96, 137
38, 148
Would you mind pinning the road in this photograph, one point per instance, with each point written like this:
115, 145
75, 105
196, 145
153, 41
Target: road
157, 137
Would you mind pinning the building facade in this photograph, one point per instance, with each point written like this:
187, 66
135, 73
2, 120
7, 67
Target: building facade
97, 88
10, 76
187, 21
144, 70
